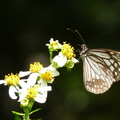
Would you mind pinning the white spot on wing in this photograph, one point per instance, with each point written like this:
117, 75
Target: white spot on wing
93, 74
112, 68
119, 63
111, 53
97, 77
112, 61
115, 73
101, 54
115, 64
117, 57
102, 72
95, 59
93, 65
107, 62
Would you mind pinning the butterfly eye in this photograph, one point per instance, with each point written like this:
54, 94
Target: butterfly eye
83, 46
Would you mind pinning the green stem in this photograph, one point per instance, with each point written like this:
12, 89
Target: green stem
51, 56
28, 109
26, 116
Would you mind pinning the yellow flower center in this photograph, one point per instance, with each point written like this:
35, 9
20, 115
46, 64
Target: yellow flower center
54, 44
35, 67
12, 79
31, 92
68, 50
48, 76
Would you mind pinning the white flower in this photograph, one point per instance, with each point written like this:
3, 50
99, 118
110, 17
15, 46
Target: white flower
33, 73
54, 45
13, 81
34, 68
47, 75
65, 55
14, 89
24, 73
37, 92
61, 60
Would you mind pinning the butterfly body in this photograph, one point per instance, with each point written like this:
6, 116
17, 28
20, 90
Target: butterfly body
101, 68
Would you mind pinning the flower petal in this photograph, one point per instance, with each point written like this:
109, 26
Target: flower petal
22, 84
51, 40
32, 79
22, 94
54, 71
43, 83
12, 91
60, 60
25, 73
40, 98
2, 82
75, 60
47, 88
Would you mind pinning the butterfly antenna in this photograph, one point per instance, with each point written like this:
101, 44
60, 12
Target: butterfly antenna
78, 35
73, 32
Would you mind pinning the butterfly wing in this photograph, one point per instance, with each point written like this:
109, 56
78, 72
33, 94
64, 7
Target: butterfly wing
101, 69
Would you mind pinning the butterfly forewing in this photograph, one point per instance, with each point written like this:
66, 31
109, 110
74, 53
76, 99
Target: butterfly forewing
101, 68
109, 59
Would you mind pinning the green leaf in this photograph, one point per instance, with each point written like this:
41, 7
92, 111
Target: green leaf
17, 113
35, 111
17, 117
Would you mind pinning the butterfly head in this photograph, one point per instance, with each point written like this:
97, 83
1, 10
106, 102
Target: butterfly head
84, 47
84, 50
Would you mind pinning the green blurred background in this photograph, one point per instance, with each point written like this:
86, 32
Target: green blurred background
27, 25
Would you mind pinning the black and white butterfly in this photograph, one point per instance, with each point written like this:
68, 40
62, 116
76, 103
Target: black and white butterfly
101, 68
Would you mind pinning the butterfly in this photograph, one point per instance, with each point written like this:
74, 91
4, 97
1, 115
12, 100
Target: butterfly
101, 68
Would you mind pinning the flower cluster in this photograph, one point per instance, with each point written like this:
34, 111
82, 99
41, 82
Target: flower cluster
33, 84
34, 87
66, 56
36, 84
